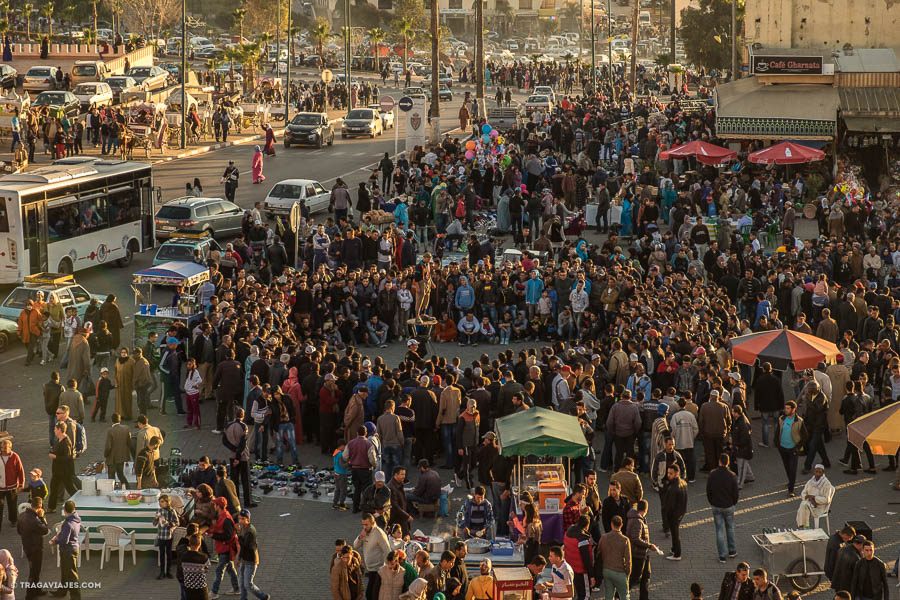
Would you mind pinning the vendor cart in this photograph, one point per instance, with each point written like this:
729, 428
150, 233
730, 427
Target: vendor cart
145, 128
513, 583
797, 554
186, 276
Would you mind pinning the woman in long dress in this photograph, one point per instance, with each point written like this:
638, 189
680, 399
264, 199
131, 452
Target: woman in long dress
626, 217
269, 148
257, 166
254, 356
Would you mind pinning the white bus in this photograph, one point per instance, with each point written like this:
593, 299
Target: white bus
67, 217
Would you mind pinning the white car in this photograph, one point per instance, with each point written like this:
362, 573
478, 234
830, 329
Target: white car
545, 90
93, 94
387, 118
539, 101
281, 198
40, 78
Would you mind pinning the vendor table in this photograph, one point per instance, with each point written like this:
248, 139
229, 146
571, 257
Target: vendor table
473, 561
614, 216
99, 510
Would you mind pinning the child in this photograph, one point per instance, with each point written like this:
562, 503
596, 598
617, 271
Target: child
505, 329
341, 469
520, 326
104, 387
487, 332
545, 308
36, 486
165, 520
45, 336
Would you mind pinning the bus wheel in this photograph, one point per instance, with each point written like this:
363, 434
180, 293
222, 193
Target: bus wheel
4, 341
65, 266
129, 255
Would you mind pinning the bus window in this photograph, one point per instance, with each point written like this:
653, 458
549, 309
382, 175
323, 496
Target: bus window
94, 214
124, 206
63, 221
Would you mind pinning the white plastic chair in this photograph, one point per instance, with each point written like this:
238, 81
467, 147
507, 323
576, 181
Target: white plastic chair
177, 535
827, 517
114, 537
84, 543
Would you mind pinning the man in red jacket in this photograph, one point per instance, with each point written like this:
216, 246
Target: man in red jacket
13, 480
579, 549
29, 330
224, 535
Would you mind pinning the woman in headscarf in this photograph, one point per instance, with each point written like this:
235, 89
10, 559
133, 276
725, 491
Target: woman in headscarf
254, 356
109, 312
257, 166
269, 148
123, 373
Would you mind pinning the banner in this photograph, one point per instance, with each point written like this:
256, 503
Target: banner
416, 124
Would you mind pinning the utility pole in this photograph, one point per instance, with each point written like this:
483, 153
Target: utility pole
672, 32
593, 52
634, 40
287, 89
277, 37
734, 40
184, 74
435, 69
479, 57
348, 55
581, 29
609, 35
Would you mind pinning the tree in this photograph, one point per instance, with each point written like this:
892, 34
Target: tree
263, 15
571, 12
410, 9
89, 35
700, 28
153, 17
94, 8
48, 12
319, 33
27, 8
376, 36
250, 53
505, 15
232, 55
239, 15
264, 39
404, 27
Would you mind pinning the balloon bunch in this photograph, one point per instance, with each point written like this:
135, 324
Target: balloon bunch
491, 143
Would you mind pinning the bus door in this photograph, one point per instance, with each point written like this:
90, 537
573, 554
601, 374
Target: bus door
148, 212
33, 217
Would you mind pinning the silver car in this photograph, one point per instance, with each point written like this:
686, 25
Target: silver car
150, 78
193, 215
40, 78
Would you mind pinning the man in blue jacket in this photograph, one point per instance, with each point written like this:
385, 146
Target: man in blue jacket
66, 542
465, 297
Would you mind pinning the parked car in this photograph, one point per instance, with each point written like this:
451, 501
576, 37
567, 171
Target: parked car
190, 214
152, 78
387, 118
443, 79
84, 71
93, 94
67, 101
444, 93
39, 78
361, 122
64, 287
308, 128
281, 198
122, 84
180, 248
545, 90
539, 101
8, 77
414, 92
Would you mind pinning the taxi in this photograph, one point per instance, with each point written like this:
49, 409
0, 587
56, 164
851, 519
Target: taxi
180, 247
64, 287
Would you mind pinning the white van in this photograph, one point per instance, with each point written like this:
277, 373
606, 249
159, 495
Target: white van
644, 18
84, 71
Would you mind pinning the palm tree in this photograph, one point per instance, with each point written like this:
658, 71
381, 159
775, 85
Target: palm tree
320, 32
572, 13
264, 39
4, 27
94, 7
232, 55
293, 32
89, 35
238, 16
48, 12
405, 28
27, 8
4, 7
376, 36
250, 53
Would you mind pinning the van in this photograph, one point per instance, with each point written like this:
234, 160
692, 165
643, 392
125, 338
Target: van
84, 71
644, 18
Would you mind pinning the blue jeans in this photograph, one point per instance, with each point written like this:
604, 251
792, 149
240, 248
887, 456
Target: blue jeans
644, 451
490, 311
606, 456
287, 429
407, 451
767, 417
391, 456
448, 435
223, 565
261, 441
248, 572
724, 520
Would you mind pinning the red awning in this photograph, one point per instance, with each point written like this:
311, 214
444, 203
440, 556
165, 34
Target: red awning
706, 153
786, 153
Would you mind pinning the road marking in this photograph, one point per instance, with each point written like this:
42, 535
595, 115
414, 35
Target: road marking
360, 153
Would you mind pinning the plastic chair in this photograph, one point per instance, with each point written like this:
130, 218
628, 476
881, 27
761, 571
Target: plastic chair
84, 543
177, 535
827, 521
114, 537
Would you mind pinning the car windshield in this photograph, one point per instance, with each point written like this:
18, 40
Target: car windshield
360, 114
175, 252
85, 89
117, 82
286, 190
84, 70
19, 297
140, 71
174, 212
38, 71
50, 98
307, 119
538, 99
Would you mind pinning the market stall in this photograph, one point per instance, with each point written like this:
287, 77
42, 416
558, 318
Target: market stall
114, 509
783, 349
533, 434
188, 277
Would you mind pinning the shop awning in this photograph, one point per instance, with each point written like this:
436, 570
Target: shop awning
746, 109
872, 124
541, 432
871, 110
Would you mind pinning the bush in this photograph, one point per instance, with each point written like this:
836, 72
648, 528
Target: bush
815, 184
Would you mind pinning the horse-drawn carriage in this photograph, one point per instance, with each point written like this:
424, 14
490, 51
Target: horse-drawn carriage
146, 129
255, 114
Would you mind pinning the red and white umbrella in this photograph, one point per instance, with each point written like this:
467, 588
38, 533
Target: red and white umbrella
786, 153
708, 154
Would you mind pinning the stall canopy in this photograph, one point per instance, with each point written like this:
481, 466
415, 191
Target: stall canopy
881, 429
746, 109
173, 273
783, 348
708, 154
871, 110
541, 432
786, 153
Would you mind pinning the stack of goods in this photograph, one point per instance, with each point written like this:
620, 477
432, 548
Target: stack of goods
378, 216
283, 481
850, 185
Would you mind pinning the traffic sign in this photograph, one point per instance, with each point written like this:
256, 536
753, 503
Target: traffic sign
405, 104
327, 76
387, 104
296, 216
